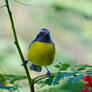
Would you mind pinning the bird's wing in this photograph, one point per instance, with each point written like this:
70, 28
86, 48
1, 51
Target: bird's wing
53, 43
31, 43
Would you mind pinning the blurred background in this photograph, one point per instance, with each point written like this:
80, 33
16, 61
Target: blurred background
70, 24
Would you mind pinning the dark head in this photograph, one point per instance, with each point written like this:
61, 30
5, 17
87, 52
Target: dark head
43, 35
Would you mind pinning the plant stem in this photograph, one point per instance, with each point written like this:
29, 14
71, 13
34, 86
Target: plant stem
18, 47
38, 78
43, 77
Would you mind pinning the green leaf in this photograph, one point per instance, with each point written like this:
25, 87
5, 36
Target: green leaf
76, 78
80, 67
57, 79
83, 67
49, 80
64, 66
61, 66
62, 76
89, 71
73, 87
57, 66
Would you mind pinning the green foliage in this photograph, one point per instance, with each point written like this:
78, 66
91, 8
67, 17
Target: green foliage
72, 5
60, 76
89, 71
73, 87
67, 79
64, 87
10, 81
54, 80
75, 74
49, 81
61, 66
77, 78
81, 67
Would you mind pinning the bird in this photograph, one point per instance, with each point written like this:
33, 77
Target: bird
41, 51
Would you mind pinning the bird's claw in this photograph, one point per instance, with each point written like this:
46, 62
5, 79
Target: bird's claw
48, 73
25, 62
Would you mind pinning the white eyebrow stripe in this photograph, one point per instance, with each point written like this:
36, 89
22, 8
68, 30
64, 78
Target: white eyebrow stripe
41, 30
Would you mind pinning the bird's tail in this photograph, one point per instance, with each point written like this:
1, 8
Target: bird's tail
36, 68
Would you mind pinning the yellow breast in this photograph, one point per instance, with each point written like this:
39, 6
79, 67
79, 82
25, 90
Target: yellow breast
41, 53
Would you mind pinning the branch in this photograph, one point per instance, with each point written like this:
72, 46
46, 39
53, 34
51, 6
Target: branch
2, 6
35, 80
18, 47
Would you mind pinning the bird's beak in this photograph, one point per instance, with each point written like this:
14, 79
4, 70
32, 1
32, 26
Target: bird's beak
44, 34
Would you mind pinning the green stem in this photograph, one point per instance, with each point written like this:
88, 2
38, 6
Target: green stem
42, 77
38, 78
18, 47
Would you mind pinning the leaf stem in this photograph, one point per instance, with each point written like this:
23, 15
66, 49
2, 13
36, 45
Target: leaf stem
18, 47
42, 77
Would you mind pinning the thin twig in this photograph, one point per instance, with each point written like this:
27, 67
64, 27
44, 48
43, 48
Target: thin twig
2, 6
23, 3
38, 78
18, 47
35, 80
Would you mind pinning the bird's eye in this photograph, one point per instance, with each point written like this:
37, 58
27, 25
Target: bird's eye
42, 33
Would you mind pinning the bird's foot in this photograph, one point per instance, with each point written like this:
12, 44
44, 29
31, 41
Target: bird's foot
25, 62
48, 73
